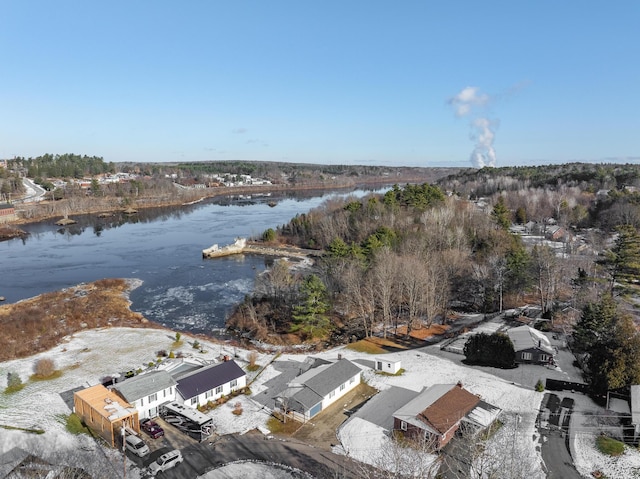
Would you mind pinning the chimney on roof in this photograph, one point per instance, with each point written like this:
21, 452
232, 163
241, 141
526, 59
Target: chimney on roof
459, 384
339, 356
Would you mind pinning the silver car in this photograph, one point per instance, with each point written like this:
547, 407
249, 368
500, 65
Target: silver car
136, 445
166, 461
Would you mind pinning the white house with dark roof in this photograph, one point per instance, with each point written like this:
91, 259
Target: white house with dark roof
210, 383
147, 392
318, 388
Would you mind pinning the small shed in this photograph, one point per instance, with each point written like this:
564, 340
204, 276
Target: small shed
388, 364
105, 413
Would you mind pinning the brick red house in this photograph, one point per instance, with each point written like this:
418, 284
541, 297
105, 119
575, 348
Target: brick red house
437, 412
7, 212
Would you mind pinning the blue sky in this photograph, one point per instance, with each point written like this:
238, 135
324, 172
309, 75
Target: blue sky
419, 83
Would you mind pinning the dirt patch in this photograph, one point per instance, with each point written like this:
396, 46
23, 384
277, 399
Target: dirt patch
321, 430
424, 333
375, 345
38, 324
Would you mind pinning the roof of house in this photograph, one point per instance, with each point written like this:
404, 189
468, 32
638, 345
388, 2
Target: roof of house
438, 408
208, 378
143, 385
635, 404
380, 408
311, 387
107, 403
525, 337
483, 414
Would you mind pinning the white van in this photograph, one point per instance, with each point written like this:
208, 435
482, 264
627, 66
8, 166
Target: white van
136, 445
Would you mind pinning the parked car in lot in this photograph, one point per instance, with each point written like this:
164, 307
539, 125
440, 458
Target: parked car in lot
166, 461
136, 445
152, 428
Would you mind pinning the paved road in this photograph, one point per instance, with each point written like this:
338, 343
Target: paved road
200, 458
557, 458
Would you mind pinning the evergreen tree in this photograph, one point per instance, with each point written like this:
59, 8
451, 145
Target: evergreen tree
623, 260
310, 315
501, 214
490, 350
612, 344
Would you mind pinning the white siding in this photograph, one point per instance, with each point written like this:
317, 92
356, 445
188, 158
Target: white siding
213, 395
337, 393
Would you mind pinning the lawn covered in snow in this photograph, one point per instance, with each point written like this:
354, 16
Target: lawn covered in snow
88, 356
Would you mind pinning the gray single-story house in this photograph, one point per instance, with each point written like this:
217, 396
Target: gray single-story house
318, 388
531, 345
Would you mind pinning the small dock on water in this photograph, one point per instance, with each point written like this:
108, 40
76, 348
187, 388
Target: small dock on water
242, 246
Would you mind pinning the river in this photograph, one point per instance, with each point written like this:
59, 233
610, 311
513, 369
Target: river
160, 247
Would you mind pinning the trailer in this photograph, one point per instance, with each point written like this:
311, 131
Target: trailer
189, 420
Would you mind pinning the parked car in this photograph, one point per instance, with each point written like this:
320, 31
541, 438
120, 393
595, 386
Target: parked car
136, 445
152, 428
166, 461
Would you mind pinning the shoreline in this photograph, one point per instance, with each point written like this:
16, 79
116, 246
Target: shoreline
189, 197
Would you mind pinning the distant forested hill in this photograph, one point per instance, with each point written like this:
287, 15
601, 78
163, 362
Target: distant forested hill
68, 165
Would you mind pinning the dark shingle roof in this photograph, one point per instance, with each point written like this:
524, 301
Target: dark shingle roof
208, 378
318, 385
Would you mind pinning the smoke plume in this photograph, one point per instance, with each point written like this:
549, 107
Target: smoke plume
471, 103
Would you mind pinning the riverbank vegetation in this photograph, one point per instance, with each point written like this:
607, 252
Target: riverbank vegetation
563, 237
74, 183
38, 324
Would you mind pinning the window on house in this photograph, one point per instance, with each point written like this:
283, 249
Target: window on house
332, 394
219, 390
403, 425
342, 386
544, 357
526, 356
141, 401
208, 394
194, 401
352, 380
153, 397
234, 383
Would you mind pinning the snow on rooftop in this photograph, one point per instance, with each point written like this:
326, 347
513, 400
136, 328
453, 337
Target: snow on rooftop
88, 356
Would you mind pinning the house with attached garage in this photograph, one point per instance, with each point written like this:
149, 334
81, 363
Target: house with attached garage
316, 389
210, 383
531, 345
438, 412
148, 391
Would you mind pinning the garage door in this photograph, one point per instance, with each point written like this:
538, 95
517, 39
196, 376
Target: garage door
315, 409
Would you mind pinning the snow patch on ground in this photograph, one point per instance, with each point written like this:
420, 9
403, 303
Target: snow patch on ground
88, 356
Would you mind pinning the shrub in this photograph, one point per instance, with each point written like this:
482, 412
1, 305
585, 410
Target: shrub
540, 386
269, 235
490, 350
237, 408
610, 446
178, 336
44, 368
172, 355
14, 383
253, 357
196, 344
75, 425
